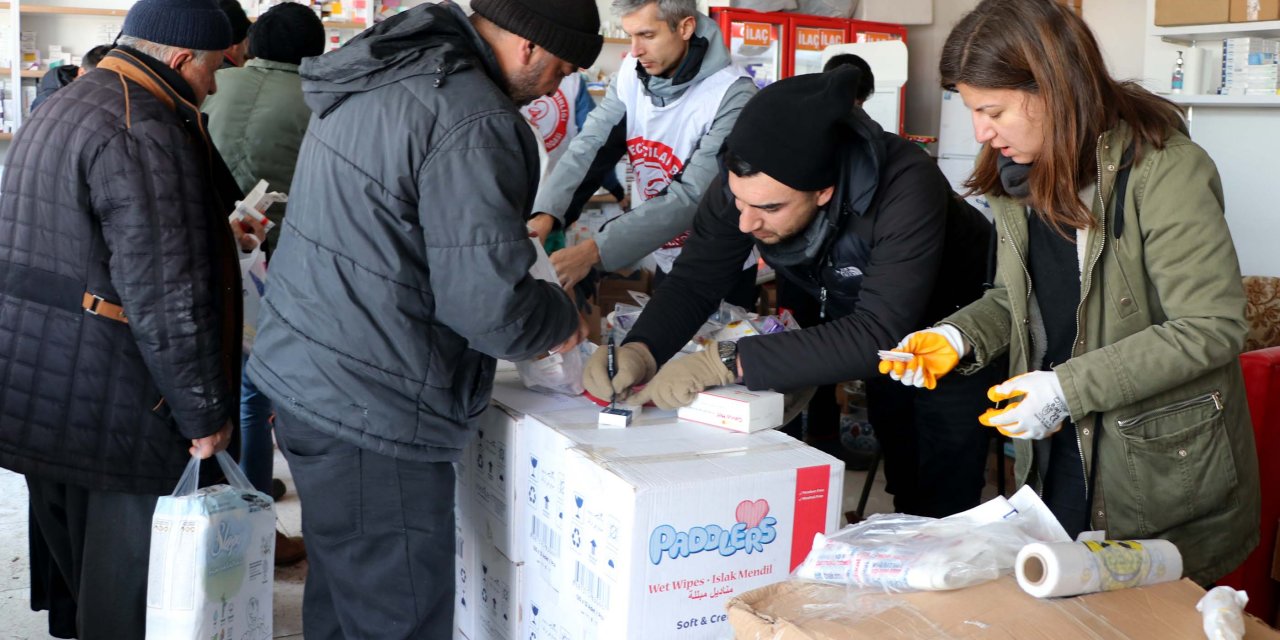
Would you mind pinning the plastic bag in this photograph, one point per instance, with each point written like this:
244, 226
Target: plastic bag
827, 8
553, 372
1223, 611
557, 372
253, 285
896, 552
211, 568
764, 5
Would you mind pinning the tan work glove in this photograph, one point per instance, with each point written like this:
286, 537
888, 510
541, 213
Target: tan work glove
635, 366
680, 381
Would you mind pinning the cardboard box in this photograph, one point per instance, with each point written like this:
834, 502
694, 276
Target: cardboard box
895, 11
659, 543
1171, 13
737, 408
466, 594
1254, 10
588, 506
616, 288
999, 609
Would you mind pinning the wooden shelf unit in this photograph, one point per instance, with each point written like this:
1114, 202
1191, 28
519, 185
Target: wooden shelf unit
38, 9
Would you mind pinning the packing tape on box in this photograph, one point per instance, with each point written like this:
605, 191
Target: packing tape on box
1057, 569
608, 456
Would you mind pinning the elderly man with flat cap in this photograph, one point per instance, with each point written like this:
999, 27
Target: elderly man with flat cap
864, 223
402, 273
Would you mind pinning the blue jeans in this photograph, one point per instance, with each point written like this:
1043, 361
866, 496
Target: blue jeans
255, 434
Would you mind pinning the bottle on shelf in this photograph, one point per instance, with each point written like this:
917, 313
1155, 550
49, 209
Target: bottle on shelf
1179, 74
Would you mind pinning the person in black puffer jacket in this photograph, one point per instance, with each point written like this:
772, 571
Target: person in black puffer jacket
402, 272
120, 303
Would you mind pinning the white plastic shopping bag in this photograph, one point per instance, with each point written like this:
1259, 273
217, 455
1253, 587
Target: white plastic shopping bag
253, 282
212, 560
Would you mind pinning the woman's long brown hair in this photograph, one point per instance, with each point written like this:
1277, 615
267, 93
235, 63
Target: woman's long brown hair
1043, 48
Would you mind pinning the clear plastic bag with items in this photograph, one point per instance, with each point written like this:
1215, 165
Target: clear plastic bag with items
728, 323
557, 372
898, 553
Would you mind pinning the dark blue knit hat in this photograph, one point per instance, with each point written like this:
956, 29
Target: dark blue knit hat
190, 24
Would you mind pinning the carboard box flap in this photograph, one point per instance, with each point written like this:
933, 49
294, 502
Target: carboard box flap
796, 610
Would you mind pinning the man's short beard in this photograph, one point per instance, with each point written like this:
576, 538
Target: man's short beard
523, 87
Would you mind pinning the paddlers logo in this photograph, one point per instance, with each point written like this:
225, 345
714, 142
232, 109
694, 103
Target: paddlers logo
754, 529
550, 116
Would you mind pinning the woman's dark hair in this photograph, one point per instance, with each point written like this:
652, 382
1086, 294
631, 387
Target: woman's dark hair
1043, 48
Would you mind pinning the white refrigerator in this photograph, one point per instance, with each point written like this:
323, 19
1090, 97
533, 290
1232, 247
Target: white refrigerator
957, 148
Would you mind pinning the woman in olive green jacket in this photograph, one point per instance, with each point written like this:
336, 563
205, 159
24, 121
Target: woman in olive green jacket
1117, 294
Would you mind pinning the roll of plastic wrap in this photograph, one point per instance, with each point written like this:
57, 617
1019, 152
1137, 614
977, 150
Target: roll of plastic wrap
1051, 570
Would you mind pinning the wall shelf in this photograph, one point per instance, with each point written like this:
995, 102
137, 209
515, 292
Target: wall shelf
1225, 101
33, 73
617, 41
1206, 32
6, 137
70, 11
344, 24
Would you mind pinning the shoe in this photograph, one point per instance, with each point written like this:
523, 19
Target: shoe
289, 550
278, 489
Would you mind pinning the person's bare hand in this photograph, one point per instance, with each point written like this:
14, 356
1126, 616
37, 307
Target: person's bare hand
541, 224
207, 446
577, 337
249, 233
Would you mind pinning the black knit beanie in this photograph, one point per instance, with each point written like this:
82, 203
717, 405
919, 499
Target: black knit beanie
569, 29
288, 33
792, 131
189, 24
239, 21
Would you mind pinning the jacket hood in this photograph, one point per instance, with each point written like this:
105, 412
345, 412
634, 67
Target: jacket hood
707, 55
431, 39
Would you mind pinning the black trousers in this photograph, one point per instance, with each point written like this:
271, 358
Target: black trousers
89, 559
933, 448
380, 538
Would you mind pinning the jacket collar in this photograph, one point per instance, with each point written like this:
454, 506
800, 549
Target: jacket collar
158, 78
259, 63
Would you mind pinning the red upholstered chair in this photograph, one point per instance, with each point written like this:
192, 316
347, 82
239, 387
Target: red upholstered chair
1261, 365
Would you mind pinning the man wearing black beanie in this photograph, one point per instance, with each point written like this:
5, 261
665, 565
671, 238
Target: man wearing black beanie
401, 274
237, 53
863, 222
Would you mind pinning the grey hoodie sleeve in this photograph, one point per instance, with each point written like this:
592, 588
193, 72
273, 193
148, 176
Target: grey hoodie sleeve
646, 228
477, 245
556, 194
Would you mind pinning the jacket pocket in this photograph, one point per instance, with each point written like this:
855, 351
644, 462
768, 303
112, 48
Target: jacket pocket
1179, 463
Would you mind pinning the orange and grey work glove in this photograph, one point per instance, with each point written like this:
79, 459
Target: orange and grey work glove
681, 380
1037, 415
935, 352
635, 365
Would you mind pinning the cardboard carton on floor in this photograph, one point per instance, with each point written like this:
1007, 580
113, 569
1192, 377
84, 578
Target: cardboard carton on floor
1171, 13
795, 610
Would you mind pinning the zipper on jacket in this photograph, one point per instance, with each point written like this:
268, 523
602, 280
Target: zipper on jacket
822, 300
1022, 262
1170, 409
1084, 295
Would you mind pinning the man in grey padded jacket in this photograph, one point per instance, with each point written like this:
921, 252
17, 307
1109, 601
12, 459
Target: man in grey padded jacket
402, 272
676, 97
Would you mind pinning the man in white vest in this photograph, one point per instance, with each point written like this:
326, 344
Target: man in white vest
558, 117
676, 97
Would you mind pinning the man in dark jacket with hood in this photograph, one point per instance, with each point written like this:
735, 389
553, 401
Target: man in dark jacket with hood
402, 272
860, 220
120, 300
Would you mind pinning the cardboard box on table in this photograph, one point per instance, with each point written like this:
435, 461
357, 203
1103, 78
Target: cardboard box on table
796, 610
596, 504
